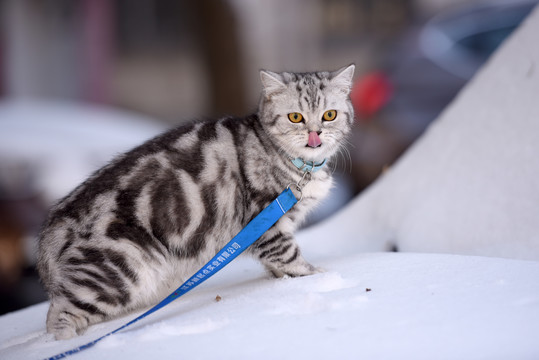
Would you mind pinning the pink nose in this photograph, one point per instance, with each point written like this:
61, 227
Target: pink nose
314, 139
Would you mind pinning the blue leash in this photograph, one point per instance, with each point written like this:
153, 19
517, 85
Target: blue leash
248, 235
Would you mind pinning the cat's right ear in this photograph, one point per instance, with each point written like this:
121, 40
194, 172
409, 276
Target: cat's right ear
342, 78
271, 82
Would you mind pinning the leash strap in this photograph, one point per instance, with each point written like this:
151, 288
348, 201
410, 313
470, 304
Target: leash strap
248, 235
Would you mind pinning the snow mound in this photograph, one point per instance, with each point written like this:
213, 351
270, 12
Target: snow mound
379, 305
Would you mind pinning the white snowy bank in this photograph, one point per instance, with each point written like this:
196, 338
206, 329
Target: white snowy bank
420, 306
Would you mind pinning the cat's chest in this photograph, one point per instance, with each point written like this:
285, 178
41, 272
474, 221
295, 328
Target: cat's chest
313, 191
317, 188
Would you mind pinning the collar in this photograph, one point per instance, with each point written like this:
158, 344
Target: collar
307, 166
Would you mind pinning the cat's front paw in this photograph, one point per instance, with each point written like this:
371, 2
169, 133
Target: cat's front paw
307, 269
318, 270
302, 269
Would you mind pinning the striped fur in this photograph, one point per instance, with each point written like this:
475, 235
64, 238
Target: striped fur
135, 229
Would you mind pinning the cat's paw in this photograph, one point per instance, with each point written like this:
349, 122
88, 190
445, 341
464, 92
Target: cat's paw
276, 273
64, 332
305, 270
302, 269
66, 322
319, 270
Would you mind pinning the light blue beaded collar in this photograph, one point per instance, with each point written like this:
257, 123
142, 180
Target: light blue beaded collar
308, 166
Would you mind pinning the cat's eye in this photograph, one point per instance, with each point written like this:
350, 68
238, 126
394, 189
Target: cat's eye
295, 117
330, 115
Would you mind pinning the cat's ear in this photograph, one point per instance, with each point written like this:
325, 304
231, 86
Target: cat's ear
343, 77
271, 82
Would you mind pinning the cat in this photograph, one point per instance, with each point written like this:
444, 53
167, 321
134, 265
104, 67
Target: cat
141, 225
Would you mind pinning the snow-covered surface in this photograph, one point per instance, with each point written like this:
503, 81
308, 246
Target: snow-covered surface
470, 184
420, 306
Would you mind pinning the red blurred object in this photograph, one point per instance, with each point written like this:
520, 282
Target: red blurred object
369, 94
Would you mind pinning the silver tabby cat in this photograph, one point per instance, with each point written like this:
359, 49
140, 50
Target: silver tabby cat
140, 226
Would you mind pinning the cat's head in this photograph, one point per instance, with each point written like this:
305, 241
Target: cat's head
308, 115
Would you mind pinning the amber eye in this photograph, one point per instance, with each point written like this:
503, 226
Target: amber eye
330, 115
295, 117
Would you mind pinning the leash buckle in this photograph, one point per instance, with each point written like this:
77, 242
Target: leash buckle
307, 176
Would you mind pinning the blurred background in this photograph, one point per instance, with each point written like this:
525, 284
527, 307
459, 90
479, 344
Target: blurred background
82, 80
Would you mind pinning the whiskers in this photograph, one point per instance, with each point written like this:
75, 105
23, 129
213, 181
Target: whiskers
343, 160
286, 149
334, 144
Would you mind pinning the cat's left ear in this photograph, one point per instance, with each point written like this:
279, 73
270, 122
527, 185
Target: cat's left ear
343, 77
271, 82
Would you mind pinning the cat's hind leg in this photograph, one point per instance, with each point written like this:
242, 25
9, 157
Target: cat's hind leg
85, 292
96, 284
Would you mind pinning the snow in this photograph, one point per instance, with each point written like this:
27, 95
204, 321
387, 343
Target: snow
420, 306
467, 187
